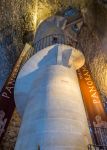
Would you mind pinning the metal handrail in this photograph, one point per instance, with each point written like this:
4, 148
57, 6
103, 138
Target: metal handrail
97, 147
105, 105
47, 41
99, 135
52, 39
38, 147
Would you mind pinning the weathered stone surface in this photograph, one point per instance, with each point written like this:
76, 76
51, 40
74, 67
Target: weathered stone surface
9, 139
91, 45
25, 15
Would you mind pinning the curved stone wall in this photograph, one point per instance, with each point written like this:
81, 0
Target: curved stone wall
21, 17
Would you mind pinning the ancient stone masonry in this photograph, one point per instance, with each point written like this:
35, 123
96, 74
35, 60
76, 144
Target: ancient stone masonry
8, 53
10, 137
18, 17
24, 19
90, 44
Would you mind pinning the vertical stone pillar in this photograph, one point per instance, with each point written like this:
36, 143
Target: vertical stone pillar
48, 98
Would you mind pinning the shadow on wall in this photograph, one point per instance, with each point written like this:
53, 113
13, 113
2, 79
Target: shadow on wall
8, 53
101, 19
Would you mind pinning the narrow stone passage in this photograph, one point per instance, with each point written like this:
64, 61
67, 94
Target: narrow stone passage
18, 17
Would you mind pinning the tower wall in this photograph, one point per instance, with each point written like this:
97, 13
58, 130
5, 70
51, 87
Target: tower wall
51, 104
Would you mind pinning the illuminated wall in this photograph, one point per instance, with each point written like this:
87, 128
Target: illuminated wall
49, 100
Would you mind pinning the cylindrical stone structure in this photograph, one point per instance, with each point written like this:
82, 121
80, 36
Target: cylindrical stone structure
48, 98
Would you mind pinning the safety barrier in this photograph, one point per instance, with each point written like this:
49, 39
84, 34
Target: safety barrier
53, 39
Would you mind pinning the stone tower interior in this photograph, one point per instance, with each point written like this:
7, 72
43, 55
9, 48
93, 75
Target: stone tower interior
19, 21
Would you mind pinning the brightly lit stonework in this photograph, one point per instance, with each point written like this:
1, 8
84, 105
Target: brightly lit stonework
49, 101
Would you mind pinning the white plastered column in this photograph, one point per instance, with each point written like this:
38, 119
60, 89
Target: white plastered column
48, 98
